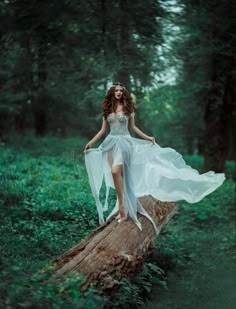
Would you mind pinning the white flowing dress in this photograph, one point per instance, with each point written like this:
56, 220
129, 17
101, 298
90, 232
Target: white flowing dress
147, 168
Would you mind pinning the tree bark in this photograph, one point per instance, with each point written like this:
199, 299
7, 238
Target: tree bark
123, 74
215, 118
233, 88
37, 50
114, 250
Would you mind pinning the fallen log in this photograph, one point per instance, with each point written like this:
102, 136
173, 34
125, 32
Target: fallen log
114, 250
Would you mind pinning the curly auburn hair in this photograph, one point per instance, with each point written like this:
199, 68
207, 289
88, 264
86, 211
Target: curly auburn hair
109, 103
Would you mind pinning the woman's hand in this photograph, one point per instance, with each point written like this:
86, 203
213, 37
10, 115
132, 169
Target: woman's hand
151, 139
88, 146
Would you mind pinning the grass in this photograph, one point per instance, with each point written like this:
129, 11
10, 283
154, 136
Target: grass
197, 251
47, 207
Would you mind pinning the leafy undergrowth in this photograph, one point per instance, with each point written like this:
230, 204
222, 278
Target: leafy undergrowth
197, 249
47, 207
188, 246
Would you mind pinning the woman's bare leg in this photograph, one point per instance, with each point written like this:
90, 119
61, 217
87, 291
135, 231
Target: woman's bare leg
118, 182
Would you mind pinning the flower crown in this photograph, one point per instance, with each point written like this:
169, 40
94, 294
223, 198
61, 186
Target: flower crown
118, 85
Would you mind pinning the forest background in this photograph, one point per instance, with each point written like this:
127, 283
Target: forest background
57, 60
176, 57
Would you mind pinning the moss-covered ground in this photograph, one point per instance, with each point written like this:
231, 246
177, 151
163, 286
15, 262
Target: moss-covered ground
47, 207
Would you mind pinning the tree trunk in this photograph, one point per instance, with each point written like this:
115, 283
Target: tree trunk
37, 49
123, 74
233, 88
114, 250
215, 118
229, 106
20, 122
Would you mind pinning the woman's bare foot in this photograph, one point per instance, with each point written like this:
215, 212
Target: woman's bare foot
122, 219
121, 216
118, 216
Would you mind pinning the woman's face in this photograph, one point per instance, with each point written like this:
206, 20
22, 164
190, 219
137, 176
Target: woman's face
118, 92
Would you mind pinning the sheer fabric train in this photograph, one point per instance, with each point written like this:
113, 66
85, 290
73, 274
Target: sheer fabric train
148, 169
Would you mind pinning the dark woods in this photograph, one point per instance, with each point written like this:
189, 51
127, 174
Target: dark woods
58, 58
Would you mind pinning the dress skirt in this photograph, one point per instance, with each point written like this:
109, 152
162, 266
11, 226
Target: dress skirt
147, 169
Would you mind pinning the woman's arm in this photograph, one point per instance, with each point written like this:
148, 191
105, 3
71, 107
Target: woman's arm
100, 133
136, 130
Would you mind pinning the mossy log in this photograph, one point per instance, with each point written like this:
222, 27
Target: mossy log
114, 250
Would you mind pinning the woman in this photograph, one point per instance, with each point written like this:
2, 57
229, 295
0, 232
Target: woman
137, 167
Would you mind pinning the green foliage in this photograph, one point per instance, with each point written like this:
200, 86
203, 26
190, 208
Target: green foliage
56, 68
59, 65
198, 161
134, 291
47, 208
42, 291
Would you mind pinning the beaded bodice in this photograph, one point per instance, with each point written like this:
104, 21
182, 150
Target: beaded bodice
118, 123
